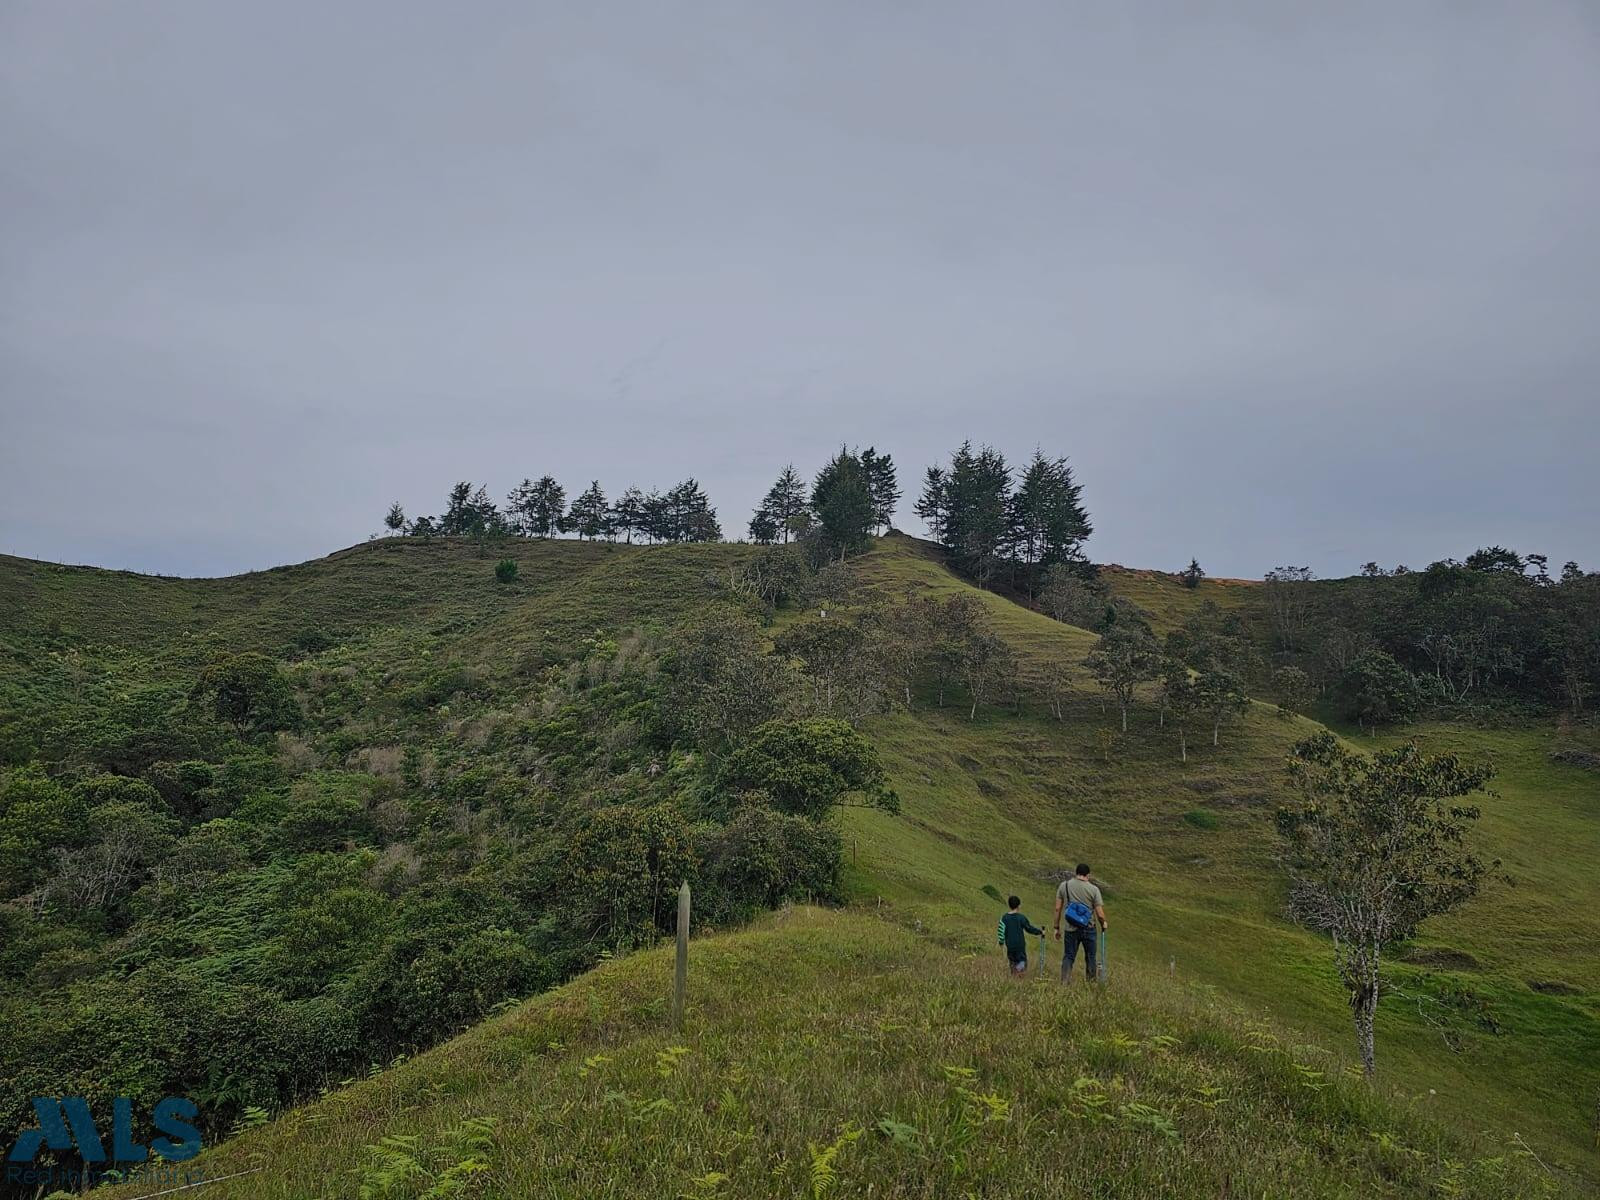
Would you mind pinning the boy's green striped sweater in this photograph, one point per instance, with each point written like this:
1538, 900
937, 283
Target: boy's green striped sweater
1012, 933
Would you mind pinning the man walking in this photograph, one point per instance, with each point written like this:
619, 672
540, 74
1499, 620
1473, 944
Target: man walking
1079, 902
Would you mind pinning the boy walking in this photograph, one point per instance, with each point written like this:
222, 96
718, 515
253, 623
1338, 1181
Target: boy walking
1080, 901
1012, 933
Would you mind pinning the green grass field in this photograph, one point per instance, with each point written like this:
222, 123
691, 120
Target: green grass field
1011, 800
832, 1053
1221, 1019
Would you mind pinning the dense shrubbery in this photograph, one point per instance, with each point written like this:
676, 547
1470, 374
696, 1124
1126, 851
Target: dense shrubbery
243, 887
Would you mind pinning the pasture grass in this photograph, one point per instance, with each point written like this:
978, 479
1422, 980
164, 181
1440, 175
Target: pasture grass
829, 1053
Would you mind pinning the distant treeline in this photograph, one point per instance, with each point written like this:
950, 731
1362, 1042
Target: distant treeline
538, 509
1001, 526
1496, 627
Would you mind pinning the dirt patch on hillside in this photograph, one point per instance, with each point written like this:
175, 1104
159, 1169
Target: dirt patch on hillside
1443, 957
1587, 759
1554, 987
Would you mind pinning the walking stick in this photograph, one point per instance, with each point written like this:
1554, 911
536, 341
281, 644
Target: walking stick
1100, 963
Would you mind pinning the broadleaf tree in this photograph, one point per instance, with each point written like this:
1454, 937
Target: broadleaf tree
1374, 846
1124, 657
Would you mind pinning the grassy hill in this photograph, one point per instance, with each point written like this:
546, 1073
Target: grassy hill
1215, 1063
831, 1053
1186, 854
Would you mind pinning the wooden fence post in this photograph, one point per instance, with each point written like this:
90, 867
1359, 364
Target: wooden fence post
680, 981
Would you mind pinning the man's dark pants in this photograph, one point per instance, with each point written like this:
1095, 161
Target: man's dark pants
1071, 936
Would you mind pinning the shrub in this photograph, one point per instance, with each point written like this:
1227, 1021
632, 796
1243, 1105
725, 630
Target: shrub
1293, 688
248, 692
323, 818
810, 767
763, 858
36, 816
126, 839
443, 978
312, 640
623, 868
1379, 691
506, 570
442, 684
118, 789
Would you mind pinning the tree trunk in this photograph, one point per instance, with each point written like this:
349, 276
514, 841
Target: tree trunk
1183, 744
1216, 730
973, 715
1124, 718
1364, 1008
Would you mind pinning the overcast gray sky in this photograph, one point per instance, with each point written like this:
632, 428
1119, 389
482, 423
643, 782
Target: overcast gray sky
1305, 282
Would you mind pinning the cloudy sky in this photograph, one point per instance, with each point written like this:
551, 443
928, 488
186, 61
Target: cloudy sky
1310, 283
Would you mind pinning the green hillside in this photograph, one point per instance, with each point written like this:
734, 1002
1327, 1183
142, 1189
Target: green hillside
1009, 799
840, 1054
1215, 1063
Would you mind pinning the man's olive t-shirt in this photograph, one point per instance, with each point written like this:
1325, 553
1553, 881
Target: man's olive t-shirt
1074, 888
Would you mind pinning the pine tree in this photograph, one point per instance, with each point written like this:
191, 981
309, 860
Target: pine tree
1030, 508
519, 509
550, 507
1048, 521
842, 501
588, 517
396, 518
881, 486
655, 518
627, 516
485, 517
934, 504
763, 527
978, 519
786, 500
689, 515
972, 510
1066, 522
537, 509
458, 511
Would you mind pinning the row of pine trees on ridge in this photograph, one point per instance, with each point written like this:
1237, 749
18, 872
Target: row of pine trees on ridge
1000, 524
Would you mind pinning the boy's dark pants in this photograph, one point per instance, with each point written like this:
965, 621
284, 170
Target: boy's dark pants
1070, 938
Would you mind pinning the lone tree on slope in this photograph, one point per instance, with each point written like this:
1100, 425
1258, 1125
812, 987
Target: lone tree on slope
1375, 846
